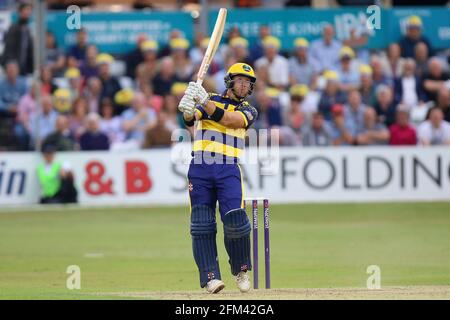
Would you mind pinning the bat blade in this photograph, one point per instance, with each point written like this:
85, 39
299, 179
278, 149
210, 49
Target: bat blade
213, 44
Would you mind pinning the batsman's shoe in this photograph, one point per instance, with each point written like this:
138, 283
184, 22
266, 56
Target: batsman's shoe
243, 281
214, 286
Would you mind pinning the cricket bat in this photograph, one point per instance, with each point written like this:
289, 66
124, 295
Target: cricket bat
213, 44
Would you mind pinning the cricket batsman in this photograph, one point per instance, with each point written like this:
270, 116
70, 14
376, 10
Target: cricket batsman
215, 176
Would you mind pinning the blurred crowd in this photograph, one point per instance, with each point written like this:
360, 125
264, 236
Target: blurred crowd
327, 92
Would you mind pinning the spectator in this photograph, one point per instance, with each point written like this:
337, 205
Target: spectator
151, 99
348, 70
73, 76
359, 36
174, 118
55, 58
43, 122
47, 85
216, 62
296, 116
92, 93
354, 113
224, 49
26, 109
61, 100
317, 134
434, 79
93, 138
159, 135
276, 66
325, 51
401, 132
61, 138
184, 69
110, 84
239, 49
418, 113
146, 70
269, 108
373, 132
412, 37
338, 132
421, 58
392, 61
55, 178
136, 120
408, 88
123, 100
77, 119
18, 41
196, 53
331, 95
89, 68
165, 78
435, 130
378, 76
443, 102
135, 57
366, 89
385, 106
12, 88
174, 34
78, 50
110, 124
257, 50
300, 69
219, 76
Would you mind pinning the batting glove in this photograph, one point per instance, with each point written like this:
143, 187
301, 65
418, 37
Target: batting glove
200, 94
187, 105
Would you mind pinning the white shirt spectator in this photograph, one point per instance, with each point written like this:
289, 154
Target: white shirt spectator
278, 69
418, 113
311, 102
325, 57
435, 136
301, 72
218, 80
410, 97
351, 76
113, 129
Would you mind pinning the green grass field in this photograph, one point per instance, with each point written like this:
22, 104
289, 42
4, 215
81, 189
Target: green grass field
146, 252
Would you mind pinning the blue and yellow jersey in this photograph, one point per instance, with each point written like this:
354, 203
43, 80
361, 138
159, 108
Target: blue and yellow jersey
211, 136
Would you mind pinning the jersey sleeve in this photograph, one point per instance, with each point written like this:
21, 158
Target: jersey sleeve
249, 113
200, 111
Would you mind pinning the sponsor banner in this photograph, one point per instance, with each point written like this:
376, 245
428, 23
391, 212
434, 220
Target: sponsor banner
288, 24
117, 32
112, 32
302, 175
